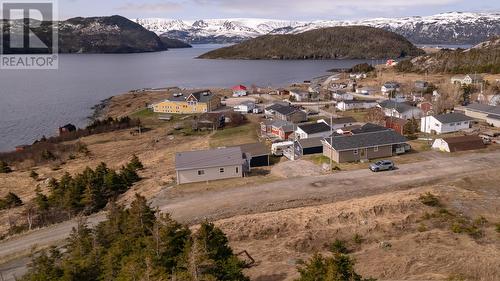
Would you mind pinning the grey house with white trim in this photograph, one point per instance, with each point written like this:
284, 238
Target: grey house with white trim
209, 165
363, 146
487, 113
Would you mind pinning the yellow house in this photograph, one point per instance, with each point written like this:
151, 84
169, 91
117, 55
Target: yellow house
197, 102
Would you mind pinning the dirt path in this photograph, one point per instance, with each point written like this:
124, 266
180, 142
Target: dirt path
279, 195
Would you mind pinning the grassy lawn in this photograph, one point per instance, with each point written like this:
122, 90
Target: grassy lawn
420, 145
144, 113
359, 115
234, 136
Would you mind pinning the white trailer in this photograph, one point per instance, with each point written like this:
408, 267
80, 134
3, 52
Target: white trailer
278, 148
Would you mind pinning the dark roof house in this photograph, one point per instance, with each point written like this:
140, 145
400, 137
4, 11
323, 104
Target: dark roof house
366, 140
314, 128
452, 118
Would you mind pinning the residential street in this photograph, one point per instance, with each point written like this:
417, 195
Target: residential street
278, 195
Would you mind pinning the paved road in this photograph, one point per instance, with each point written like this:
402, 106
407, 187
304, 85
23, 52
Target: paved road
279, 195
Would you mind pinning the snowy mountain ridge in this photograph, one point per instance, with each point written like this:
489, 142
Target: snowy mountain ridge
446, 28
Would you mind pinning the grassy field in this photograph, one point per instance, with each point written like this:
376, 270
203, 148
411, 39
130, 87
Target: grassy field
144, 113
359, 115
234, 136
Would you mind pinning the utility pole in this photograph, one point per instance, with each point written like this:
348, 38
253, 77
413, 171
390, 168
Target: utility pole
331, 142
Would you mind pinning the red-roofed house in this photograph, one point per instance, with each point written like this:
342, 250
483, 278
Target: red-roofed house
239, 91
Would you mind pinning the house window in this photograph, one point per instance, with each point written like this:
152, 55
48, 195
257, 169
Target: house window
201, 172
437, 124
452, 124
458, 123
355, 152
221, 170
237, 169
375, 148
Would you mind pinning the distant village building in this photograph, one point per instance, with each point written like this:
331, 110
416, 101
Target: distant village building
467, 79
180, 103
355, 104
276, 129
421, 85
313, 130
239, 91
397, 124
340, 122
341, 95
390, 87
245, 107
400, 110
68, 128
426, 107
445, 123
300, 95
365, 90
286, 113
487, 113
460, 143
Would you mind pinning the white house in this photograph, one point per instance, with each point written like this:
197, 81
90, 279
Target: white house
355, 104
365, 91
400, 110
300, 95
467, 79
342, 96
445, 123
390, 87
313, 130
239, 91
340, 122
245, 107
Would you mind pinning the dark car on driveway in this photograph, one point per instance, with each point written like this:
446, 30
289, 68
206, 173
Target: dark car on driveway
382, 165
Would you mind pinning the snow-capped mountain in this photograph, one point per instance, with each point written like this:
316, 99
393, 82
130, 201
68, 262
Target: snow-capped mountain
447, 28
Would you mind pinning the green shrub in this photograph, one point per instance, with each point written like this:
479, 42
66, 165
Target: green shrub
429, 199
338, 246
11, 200
33, 174
357, 238
4, 168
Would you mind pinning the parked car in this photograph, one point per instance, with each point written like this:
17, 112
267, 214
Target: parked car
382, 165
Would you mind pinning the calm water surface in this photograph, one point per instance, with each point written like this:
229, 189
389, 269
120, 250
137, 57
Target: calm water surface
35, 103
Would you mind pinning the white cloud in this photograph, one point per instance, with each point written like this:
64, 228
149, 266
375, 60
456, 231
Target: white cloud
158, 7
331, 8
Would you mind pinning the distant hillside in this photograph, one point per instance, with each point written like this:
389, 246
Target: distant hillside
482, 58
114, 34
173, 43
348, 42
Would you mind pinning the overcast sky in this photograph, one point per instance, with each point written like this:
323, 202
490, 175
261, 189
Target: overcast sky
276, 9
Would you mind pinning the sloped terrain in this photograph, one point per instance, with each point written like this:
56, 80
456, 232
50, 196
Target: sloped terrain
354, 42
396, 239
482, 58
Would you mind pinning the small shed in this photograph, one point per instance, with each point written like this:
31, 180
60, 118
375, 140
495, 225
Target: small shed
258, 154
308, 146
461, 143
68, 128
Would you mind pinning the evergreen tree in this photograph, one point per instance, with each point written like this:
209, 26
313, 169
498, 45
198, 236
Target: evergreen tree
135, 163
4, 168
11, 200
339, 267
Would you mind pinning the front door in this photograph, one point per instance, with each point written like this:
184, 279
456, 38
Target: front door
363, 153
